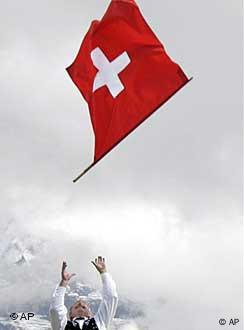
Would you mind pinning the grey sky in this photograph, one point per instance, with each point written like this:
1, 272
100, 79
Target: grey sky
167, 201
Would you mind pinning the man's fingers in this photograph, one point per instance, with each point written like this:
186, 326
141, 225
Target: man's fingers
98, 261
73, 274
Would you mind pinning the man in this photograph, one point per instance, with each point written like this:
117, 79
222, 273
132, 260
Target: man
80, 314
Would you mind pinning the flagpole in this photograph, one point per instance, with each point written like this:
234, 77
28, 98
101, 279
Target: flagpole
84, 172
95, 162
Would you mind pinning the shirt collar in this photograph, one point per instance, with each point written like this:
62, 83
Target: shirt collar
77, 318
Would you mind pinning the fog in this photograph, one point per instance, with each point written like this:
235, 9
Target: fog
165, 206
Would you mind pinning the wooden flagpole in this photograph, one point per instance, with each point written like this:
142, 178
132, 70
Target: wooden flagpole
94, 163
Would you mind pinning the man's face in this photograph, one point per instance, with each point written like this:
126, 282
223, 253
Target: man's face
80, 308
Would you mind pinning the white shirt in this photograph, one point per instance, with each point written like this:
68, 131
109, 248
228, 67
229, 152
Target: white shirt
104, 315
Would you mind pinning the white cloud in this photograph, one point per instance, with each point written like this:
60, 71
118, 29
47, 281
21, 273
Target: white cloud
164, 206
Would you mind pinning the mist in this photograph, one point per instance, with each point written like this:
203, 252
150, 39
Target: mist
164, 207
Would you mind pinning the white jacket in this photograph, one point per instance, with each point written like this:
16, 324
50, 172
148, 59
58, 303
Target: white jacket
104, 315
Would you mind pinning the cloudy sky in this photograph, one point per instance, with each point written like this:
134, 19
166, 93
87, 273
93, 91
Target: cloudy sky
165, 206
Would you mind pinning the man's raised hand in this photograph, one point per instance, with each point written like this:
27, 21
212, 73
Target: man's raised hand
65, 276
99, 263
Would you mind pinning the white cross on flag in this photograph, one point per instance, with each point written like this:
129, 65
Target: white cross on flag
108, 74
124, 73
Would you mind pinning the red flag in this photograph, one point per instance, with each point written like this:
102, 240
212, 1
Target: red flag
123, 72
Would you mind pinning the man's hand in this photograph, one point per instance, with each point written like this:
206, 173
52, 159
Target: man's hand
99, 263
65, 276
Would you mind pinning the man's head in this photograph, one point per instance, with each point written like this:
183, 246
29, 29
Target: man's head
80, 308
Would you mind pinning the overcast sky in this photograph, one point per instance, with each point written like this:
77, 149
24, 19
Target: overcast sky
165, 206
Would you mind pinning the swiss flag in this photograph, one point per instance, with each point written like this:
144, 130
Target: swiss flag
123, 72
